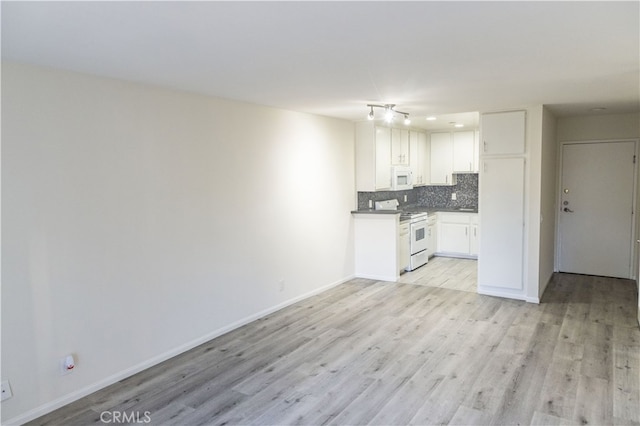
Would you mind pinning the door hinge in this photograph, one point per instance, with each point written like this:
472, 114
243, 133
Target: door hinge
634, 159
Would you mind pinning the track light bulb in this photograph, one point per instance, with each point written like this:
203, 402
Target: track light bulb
388, 116
371, 116
407, 121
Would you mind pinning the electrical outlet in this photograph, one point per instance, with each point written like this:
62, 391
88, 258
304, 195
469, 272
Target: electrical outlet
454, 196
67, 364
6, 390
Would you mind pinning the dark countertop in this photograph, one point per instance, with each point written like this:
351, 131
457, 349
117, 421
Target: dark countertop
417, 209
373, 211
440, 209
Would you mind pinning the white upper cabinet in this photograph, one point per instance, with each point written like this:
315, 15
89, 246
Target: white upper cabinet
503, 133
419, 157
378, 148
400, 147
476, 150
463, 152
383, 158
373, 157
441, 159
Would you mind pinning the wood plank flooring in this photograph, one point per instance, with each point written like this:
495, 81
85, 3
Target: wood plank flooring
383, 353
445, 272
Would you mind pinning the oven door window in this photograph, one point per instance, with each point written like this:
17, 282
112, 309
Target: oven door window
420, 234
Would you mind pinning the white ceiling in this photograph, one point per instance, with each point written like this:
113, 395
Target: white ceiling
332, 58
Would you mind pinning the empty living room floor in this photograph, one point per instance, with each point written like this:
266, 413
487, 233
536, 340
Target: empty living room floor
369, 352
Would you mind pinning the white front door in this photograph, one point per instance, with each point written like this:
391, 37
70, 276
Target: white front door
596, 208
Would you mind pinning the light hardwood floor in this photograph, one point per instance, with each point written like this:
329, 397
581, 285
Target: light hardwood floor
445, 272
385, 353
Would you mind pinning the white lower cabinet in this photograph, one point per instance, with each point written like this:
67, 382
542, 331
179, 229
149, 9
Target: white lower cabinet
404, 249
432, 236
473, 242
457, 234
454, 238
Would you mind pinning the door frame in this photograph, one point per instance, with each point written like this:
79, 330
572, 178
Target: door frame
633, 267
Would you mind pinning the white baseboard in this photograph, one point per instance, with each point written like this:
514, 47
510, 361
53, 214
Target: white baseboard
378, 277
500, 293
88, 390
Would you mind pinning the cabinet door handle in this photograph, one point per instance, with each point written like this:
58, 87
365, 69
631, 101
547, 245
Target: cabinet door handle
466, 231
485, 146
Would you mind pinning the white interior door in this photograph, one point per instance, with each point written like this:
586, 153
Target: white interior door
596, 208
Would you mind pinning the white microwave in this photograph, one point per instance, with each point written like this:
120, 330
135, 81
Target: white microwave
401, 178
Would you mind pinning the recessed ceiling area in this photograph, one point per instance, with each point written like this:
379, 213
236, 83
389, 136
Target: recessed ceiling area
333, 58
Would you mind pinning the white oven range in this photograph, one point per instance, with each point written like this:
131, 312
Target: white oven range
418, 244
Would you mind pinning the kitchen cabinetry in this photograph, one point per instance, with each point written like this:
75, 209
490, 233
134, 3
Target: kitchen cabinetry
501, 198
419, 157
457, 234
400, 147
463, 152
383, 158
405, 246
377, 250
373, 157
432, 235
378, 148
476, 150
503, 133
441, 159
453, 152
474, 238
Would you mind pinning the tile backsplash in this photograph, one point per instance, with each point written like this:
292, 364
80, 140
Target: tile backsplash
432, 196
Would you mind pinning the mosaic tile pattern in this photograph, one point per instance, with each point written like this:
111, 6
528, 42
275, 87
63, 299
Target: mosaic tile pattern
436, 196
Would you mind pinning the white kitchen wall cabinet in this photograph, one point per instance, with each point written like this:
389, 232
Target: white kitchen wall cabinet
378, 148
503, 133
373, 157
476, 151
463, 152
383, 158
419, 157
400, 147
456, 234
441, 158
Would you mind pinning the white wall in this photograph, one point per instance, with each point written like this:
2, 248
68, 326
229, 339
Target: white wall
533, 197
139, 221
548, 195
599, 127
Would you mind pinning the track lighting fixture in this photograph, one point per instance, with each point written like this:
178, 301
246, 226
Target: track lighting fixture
389, 113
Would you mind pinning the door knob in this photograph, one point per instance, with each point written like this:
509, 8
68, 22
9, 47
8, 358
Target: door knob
568, 210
